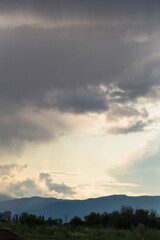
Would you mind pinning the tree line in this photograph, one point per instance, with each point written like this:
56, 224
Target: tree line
126, 218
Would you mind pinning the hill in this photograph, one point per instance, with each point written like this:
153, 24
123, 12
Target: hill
4, 197
55, 208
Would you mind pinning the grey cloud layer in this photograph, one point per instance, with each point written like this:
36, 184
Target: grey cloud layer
34, 61
136, 119
7, 169
138, 126
81, 100
28, 187
112, 44
91, 8
56, 187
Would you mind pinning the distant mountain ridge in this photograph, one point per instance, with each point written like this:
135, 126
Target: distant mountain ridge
55, 208
4, 197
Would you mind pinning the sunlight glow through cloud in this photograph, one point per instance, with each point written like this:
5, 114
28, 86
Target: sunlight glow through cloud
79, 98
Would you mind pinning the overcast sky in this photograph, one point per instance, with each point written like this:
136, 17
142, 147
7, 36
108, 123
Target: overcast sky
79, 98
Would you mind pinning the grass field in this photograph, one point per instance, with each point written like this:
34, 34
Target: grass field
80, 233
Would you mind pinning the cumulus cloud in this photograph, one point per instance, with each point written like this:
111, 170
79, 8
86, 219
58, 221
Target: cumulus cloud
12, 184
23, 188
9, 169
18, 186
138, 126
117, 111
56, 187
127, 118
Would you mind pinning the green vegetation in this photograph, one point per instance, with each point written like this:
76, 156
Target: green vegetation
124, 225
80, 233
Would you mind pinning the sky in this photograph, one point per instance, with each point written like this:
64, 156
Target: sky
79, 98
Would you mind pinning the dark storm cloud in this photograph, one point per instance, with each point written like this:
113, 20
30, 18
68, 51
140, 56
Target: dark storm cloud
141, 76
81, 8
63, 52
13, 126
34, 61
79, 100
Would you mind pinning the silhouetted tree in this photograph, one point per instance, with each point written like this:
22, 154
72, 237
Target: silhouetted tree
6, 216
76, 221
105, 219
93, 219
142, 216
23, 217
126, 217
114, 219
15, 218
55, 221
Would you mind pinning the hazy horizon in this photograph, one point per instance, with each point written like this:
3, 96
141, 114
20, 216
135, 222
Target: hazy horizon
79, 98
9, 197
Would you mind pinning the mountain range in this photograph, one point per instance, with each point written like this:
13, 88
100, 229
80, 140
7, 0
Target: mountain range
4, 197
67, 209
